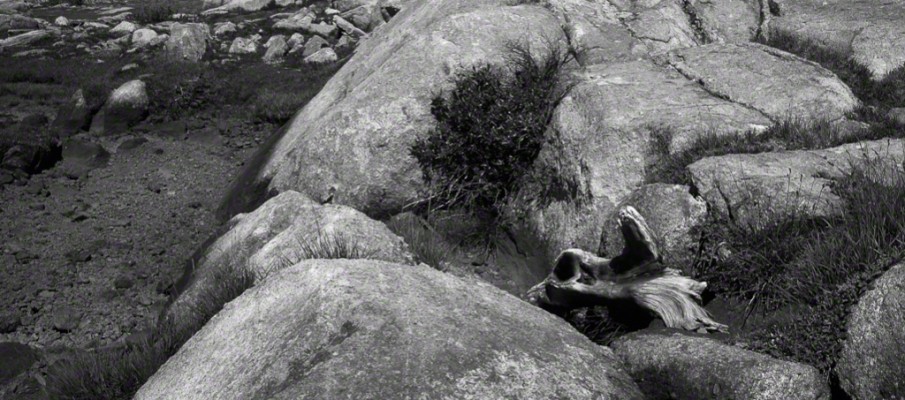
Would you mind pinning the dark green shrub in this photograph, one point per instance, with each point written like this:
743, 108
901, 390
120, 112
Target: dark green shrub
490, 128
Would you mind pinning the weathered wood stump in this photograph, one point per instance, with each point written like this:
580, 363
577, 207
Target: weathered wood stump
582, 279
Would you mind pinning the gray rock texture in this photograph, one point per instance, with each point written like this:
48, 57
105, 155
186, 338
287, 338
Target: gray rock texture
778, 84
599, 145
679, 366
188, 41
755, 190
351, 329
871, 30
871, 365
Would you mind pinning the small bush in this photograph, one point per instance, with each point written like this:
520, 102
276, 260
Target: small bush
490, 128
276, 106
428, 245
154, 11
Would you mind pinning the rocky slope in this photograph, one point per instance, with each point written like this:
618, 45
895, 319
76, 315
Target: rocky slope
330, 328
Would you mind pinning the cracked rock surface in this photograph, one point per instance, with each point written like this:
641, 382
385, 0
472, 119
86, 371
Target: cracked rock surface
778, 84
348, 329
758, 189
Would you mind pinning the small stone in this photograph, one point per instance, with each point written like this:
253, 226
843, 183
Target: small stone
155, 187
322, 56
128, 67
242, 45
9, 322
123, 282
78, 255
66, 319
314, 45
131, 143
61, 21
223, 28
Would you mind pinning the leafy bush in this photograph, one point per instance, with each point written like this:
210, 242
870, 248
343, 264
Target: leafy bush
490, 128
813, 271
276, 106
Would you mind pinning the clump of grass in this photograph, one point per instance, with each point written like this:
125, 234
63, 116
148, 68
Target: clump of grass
331, 246
154, 11
322, 246
786, 135
118, 373
814, 270
178, 89
490, 128
428, 245
276, 106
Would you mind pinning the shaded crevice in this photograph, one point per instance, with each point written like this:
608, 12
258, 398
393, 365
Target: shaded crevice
725, 198
696, 23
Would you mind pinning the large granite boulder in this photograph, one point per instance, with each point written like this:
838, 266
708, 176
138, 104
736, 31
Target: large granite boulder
665, 25
773, 82
599, 145
756, 190
355, 135
328, 329
678, 366
283, 231
871, 365
126, 106
872, 31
